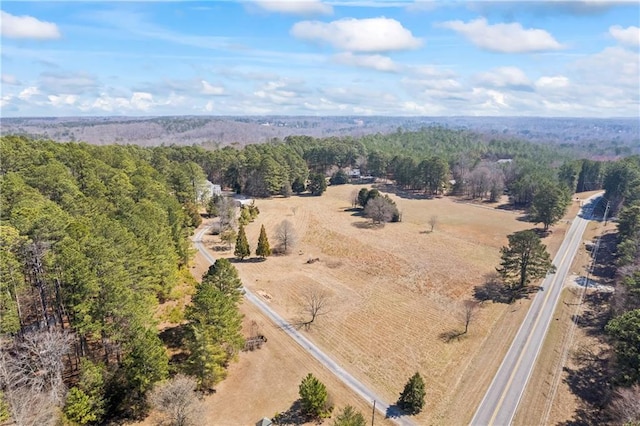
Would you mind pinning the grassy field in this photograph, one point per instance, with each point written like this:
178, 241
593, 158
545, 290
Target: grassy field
393, 291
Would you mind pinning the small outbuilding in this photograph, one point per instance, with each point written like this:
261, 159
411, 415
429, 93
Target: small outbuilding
264, 422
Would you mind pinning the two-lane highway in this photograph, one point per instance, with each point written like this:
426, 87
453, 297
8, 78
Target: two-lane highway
500, 403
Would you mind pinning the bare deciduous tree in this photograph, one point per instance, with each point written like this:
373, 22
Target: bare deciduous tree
379, 210
467, 313
177, 401
31, 375
353, 198
315, 304
625, 406
433, 221
227, 214
286, 236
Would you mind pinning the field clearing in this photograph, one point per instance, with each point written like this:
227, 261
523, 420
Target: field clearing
394, 290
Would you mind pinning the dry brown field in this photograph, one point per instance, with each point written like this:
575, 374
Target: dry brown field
393, 290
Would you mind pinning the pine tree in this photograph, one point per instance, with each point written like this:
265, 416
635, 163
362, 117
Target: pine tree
224, 276
349, 416
412, 397
524, 260
263, 250
242, 245
313, 396
207, 359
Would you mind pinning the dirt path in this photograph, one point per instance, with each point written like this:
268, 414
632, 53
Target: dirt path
382, 406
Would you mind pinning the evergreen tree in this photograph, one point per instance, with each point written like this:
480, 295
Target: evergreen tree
85, 402
263, 250
146, 363
219, 312
224, 276
412, 397
625, 331
207, 358
349, 416
298, 186
549, 204
524, 260
317, 184
313, 396
242, 249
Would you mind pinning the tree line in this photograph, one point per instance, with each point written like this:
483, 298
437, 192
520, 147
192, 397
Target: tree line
92, 239
622, 193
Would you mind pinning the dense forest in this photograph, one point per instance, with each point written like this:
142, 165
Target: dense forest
622, 185
93, 238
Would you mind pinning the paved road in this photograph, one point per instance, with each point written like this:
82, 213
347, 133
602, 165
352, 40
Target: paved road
500, 403
366, 393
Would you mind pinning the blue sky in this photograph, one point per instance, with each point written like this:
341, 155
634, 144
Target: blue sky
313, 57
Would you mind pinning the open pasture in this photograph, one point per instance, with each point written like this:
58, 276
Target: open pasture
393, 289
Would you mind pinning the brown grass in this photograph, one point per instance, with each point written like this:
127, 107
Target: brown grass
394, 290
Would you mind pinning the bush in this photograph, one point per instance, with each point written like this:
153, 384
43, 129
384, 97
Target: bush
339, 178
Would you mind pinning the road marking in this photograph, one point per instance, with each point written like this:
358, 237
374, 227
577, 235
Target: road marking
534, 327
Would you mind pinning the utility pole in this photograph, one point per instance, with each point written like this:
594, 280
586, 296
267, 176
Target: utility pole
373, 413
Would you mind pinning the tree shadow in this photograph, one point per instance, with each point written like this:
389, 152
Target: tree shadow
594, 319
451, 335
367, 225
247, 260
394, 411
499, 293
293, 416
174, 337
590, 382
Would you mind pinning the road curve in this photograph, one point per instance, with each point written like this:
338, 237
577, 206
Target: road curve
499, 405
357, 386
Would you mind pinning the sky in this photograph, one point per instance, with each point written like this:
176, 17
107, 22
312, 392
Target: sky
320, 58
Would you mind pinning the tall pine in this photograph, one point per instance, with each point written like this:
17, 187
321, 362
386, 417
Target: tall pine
412, 397
224, 276
242, 245
263, 250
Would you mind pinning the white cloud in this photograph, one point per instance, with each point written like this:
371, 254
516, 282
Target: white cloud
504, 38
139, 101
10, 80
510, 77
4, 100
358, 35
552, 82
376, 62
296, 7
62, 100
29, 92
614, 66
209, 89
629, 35
27, 27
277, 92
